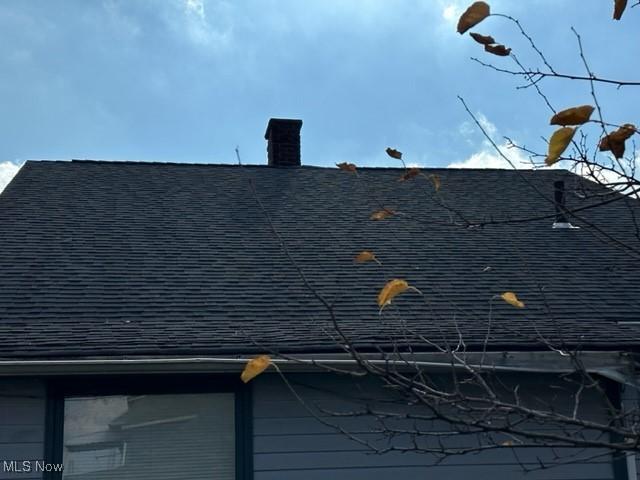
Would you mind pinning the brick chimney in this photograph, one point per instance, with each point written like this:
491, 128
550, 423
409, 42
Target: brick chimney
283, 142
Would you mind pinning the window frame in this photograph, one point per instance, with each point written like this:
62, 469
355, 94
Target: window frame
148, 384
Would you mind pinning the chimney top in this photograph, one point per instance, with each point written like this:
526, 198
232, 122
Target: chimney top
283, 142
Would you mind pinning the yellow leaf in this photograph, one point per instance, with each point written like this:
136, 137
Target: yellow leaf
618, 8
482, 39
349, 167
365, 256
572, 116
558, 143
390, 290
255, 367
499, 50
507, 443
394, 153
382, 214
410, 173
473, 15
511, 299
436, 181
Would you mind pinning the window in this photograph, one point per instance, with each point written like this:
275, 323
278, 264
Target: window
150, 428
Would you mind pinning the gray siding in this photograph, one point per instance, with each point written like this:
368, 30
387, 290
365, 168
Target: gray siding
22, 420
291, 444
630, 397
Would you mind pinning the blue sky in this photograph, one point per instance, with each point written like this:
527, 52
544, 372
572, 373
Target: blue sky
188, 80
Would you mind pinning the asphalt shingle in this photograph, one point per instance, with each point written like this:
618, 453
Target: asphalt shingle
123, 258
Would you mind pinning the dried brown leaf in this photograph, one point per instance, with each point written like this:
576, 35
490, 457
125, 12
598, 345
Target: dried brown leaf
614, 141
482, 39
436, 181
499, 50
618, 8
409, 174
382, 214
348, 167
572, 116
393, 153
473, 15
365, 256
625, 131
613, 144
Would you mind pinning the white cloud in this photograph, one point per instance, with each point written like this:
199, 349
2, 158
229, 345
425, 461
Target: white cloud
488, 156
452, 9
207, 26
217, 26
7, 172
617, 173
469, 129
451, 12
488, 127
195, 7
201, 31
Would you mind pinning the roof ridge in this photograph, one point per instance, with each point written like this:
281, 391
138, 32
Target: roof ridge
254, 165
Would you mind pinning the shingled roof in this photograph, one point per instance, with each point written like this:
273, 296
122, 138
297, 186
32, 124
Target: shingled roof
121, 258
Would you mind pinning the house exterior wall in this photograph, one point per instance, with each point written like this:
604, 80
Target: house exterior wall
291, 444
22, 424
630, 398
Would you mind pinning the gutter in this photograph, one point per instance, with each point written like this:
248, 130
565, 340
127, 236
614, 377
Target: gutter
612, 365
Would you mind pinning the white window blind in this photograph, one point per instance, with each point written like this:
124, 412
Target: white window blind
160, 437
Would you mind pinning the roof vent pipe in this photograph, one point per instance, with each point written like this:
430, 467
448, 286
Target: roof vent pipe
558, 195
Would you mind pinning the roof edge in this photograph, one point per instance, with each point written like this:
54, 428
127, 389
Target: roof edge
264, 166
515, 361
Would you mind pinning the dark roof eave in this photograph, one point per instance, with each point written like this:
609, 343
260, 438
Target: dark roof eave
607, 363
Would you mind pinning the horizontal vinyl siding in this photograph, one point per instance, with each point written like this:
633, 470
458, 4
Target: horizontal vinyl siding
630, 397
291, 444
22, 421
